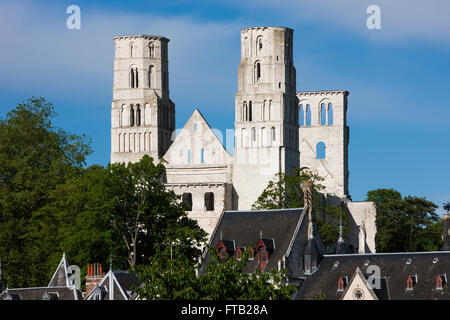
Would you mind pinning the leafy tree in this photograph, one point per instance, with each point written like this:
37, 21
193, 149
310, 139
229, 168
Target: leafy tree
285, 190
35, 156
328, 226
404, 224
144, 214
173, 276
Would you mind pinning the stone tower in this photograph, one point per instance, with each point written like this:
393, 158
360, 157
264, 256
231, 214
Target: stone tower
142, 114
266, 111
324, 137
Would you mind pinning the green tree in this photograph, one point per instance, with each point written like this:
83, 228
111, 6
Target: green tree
35, 157
405, 224
144, 214
328, 226
170, 275
285, 191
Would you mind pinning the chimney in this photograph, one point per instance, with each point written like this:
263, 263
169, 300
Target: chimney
93, 276
446, 231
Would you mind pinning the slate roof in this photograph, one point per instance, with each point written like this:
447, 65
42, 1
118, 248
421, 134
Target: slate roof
123, 286
62, 293
395, 269
278, 229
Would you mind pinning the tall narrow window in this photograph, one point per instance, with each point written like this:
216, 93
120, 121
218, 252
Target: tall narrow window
131, 116
137, 78
187, 200
308, 115
189, 156
151, 49
330, 114
244, 111
132, 78
273, 134
249, 111
209, 201
253, 135
270, 110
257, 71
323, 114
150, 74
202, 156
302, 116
138, 115
320, 150
131, 50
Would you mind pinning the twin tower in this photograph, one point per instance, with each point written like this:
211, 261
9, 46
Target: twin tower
277, 128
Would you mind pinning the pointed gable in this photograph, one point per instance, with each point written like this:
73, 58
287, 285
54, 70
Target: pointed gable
61, 277
358, 288
197, 145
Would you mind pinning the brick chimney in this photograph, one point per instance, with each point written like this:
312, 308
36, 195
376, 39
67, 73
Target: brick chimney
93, 276
446, 231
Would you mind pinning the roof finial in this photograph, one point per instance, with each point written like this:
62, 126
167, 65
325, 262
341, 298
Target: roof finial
341, 239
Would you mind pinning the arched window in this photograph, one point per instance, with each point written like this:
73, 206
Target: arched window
151, 50
257, 71
308, 115
120, 136
302, 116
150, 75
270, 110
189, 156
209, 201
263, 137
323, 114
273, 134
202, 156
253, 135
330, 114
320, 150
131, 50
244, 111
259, 45
187, 200
138, 115
410, 283
249, 111
340, 284
131, 116
132, 77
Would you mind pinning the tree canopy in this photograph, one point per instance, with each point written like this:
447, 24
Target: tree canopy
405, 224
36, 157
170, 275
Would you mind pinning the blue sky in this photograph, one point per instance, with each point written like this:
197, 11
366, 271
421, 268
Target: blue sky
398, 77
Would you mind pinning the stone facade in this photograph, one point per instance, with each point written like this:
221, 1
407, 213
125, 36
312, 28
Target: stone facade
277, 129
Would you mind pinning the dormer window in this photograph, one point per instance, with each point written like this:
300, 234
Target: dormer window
342, 282
410, 282
264, 249
440, 281
239, 253
225, 248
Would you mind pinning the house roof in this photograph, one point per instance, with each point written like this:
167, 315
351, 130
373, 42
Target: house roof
279, 228
36, 293
123, 284
395, 268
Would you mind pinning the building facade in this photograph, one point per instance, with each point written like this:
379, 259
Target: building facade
277, 129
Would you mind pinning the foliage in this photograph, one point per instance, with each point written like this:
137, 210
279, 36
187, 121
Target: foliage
173, 276
328, 226
144, 214
446, 206
405, 223
35, 158
285, 190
